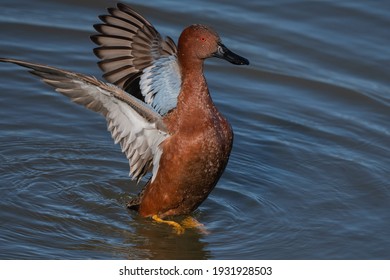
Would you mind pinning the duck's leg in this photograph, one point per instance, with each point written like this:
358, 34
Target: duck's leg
177, 227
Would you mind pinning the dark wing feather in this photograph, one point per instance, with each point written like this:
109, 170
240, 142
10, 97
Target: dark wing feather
131, 50
128, 44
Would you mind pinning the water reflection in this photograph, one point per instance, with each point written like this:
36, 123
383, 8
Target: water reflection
156, 241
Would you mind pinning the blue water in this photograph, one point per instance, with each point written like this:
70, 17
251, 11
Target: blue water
308, 176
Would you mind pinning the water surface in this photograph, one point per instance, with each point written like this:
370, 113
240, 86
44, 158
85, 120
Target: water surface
308, 177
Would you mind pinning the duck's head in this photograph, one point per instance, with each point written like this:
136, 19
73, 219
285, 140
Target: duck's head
200, 42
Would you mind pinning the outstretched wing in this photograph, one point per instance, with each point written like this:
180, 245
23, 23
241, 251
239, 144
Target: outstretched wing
134, 125
136, 58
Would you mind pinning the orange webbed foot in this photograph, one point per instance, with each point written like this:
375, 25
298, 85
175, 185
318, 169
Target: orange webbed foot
188, 222
176, 226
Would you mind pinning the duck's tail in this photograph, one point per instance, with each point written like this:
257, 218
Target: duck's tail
135, 202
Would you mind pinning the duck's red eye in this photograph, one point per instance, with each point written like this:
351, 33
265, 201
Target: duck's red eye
203, 39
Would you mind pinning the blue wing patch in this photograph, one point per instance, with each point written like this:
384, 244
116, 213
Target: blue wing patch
160, 84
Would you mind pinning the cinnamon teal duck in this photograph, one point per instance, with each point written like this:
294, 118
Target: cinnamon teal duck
157, 106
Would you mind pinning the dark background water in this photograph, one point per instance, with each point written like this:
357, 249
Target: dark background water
309, 172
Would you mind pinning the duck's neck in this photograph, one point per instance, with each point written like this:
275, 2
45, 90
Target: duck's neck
194, 104
195, 93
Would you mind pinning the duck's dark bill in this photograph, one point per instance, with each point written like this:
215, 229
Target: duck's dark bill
224, 53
